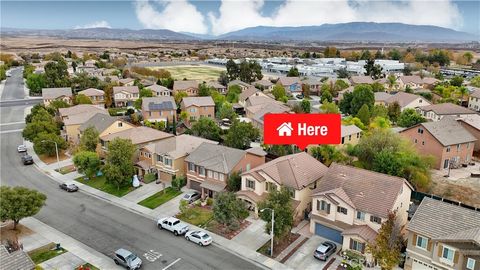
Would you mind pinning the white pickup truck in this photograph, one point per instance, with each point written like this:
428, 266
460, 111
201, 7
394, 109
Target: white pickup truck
173, 224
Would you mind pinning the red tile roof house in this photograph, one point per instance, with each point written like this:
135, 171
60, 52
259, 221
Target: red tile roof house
446, 140
299, 173
125, 95
209, 166
189, 87
350, 204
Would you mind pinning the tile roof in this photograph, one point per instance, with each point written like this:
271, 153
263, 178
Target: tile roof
258, 151
369, 191
264, 83
213, 185
162, 103
381, 96
252, 195
182, 85
184, 144
99, 121
78, 109
138, 135
198, 101
448, 131
446, 109
475, 93
215, 85
471, 119
403, 99
238, 82
250, 91
217, 158
440, 220
288, 80
81, 118
90, 92
411, 79
128, 89
17, 260
295, 170
52, 93
361, 79
158, 88
362, 231
350, 130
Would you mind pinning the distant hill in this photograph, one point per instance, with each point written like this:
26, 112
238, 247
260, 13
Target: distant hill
355, 31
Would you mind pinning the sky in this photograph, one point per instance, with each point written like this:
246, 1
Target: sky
216, 17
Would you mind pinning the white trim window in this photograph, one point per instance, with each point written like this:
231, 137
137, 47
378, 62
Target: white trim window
360, 215
448, 253
191, 167
470, 264
250, 184
201, 171
168, 162
422, 242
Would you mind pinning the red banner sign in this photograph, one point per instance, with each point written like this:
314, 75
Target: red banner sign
302, 129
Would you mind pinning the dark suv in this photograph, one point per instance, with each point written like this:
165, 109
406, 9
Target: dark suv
27, 160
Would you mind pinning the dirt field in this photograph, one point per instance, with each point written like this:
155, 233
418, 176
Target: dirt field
193, 72
465, 190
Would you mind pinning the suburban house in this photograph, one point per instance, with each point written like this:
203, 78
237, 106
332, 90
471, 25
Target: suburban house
356, 80
446, 140
438, 111
415, 82
242, 98
189, 87
160, 91
198, 107
299, 173
209, 166
167, 157
256, 106
315, 85
471, 123
104, 124
474, 101
407, 100
161, 108
217, 86
73, 117
265, 85
381, 98
15, 260
443, 236
125, 95
350, 134
51, 94
243, 85
97, 96
127, 82
350, 204
292, 85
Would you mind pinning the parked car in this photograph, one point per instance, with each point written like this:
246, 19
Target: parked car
299, 96
27, 160
190, 197
21, 149
127, 259
325, 250
199, 237
173, 224
70, 187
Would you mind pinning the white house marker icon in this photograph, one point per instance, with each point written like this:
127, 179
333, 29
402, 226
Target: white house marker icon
285, 129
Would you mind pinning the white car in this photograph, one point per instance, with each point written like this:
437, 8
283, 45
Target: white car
199, 237
21, 148
172, 224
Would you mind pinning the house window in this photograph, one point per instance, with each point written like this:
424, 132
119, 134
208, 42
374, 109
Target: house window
423, 142
358, 135
458, 147
120, 124
191, 167
349, 137
150, 114
420, 130
422, 242
215, 175
448, 149
447, 254
201, 171
415, 140
342, 210
343, 140
376, 219
247, 168
250, 184
167, 162
270, 186
470, 264
160, 159
210, 174
291, 191
322, 206
360, 215
357, 246
221, 177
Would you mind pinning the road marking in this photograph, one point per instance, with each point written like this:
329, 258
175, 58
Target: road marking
12, 123
152, 255
174, 262
10, 131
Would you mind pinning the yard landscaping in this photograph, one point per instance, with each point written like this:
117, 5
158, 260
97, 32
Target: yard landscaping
100, 183
278, 247
224, 231
45, 253
87, 266
160, 198
66, 169
197, 215
193, 72
149, 177
52, 159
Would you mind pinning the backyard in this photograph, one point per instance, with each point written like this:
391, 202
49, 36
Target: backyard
100, 183
193, 72
160, 198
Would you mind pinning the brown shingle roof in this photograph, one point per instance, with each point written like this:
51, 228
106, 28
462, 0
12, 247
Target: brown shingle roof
17, 260
138, 135
183, 85
288, 80
448, 131
369, 191
128, 89
446, 109
403, 99
361, 80
90, 92
52, 93
198, 101
78, 109
362, 231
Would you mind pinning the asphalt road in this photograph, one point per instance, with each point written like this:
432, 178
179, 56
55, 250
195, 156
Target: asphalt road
94, 222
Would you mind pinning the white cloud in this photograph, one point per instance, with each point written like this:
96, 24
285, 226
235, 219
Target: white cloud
97, 24
176, 15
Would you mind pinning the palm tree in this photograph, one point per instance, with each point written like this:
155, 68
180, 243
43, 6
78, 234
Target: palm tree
462, 91
392, 81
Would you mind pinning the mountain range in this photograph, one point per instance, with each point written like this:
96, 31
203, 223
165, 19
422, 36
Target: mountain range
343, 32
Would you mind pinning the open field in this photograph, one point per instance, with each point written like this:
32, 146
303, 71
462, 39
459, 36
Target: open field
193, 72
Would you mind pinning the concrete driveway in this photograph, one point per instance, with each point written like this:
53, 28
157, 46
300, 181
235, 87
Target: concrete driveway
303, 258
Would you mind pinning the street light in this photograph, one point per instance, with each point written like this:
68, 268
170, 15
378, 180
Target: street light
56, 150
271, 231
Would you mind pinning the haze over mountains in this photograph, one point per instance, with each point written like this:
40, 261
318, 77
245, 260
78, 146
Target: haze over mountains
344, 32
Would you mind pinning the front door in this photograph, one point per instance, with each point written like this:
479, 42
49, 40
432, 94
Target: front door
210, 193
445, 164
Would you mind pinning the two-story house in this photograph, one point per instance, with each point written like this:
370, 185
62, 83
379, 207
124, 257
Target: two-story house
443, 236
189, 87
350, 134
471, 123
350, 204
299, 173
73, 117
256, 106
474, 101
209, 166
407, 100
127, 81
97, 96
264, 85
125, 95
292, 85
447, 140
62, 93
198, 107
416, 82
243, 85
167, 157
161, 108
222, 89
159, 90
436, 112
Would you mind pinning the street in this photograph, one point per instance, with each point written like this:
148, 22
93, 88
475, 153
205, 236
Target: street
94, 222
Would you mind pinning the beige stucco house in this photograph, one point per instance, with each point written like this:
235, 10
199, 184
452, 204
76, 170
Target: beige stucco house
62, 93
73, 117
161, 108
125, 95
97, 96
198, 107
189, 87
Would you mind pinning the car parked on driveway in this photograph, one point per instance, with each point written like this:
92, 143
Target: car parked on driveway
199, 237
190, 197
325, 250
27, 160
127, 259
172, 224
21, 148
70, 187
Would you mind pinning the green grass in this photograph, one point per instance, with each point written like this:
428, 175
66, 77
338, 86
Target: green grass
116, 111
101, 183
200, 73
197, 216
44, 254
149, 177
160, 198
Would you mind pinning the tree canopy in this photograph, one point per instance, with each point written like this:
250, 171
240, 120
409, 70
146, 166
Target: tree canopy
19, 202
281, 203
119, 169
410, 117
206, 128
87, 162
241, 134
227, 209
89, 139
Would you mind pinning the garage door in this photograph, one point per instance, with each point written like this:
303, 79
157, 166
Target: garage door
195, 185
328, 233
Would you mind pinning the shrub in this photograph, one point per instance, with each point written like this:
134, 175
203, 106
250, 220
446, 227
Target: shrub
209, 201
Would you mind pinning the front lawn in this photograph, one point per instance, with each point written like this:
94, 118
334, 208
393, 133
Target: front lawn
66, 169
160, 198
198, 216
100, 183
149, 177
45, 253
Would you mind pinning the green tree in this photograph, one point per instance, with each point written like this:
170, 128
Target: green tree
306, 106
394, 111
377, 87
82, 99
456, 81
119, 162
228, 210
206, 128
293, 72
329, 107
353, 121
226, 111
395, 54
56, 74
223, 78
89, 139
184, 116
379, 111
19, 202
373, 70
410, 117
35, 83
278, 92
234, 182
233, 70
342, 73
392, 81
345, 104
145, 92
43, 144
87, 162
57, 104
250, 71
241, 134
108, 95
328, 154
33, 129
387, 247
380, 123
306, 90
179, 96
327, 96
3, 72
475, 81
233, 93
364, 114
281, 203
203, 90
362, 95
468, 56
83, 81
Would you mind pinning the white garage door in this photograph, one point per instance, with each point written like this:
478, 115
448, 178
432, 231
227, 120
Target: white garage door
422, 266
